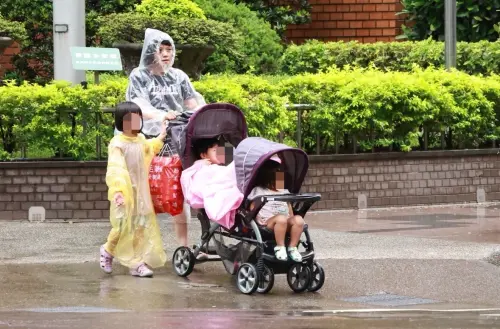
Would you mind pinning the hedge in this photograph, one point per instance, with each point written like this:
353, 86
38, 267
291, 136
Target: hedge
382, 110
13, 30
315, 56
40, 118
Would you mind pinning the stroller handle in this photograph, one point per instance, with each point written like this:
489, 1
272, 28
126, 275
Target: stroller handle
300, 202
290, 197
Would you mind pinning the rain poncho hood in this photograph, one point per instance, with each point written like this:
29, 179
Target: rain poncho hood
152, 41
156, 87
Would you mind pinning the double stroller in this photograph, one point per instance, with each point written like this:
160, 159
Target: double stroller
251, 257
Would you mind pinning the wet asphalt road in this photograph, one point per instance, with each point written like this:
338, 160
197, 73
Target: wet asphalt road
238, 319
432, 260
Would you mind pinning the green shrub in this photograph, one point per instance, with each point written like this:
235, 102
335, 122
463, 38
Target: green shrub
13, 30
315, 56
279, 14
476, 20
381, 110
259, 100
261, 45
40, 117
170, 8
130, 27
390, 110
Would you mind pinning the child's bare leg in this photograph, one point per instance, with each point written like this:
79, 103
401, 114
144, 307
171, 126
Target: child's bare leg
180, 223
278, 224
296, 226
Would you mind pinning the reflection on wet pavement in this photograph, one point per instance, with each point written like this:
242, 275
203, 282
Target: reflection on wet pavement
460, 223
194, 319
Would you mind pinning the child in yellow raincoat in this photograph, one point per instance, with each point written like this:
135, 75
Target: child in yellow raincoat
135, 239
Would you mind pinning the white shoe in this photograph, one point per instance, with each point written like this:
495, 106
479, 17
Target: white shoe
294, 254
280, 253
141, 271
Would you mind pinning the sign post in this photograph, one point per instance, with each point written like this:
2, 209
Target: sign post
68, 31
450, 33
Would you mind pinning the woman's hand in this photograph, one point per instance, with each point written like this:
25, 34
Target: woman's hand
170, 115
119, 199
163, 133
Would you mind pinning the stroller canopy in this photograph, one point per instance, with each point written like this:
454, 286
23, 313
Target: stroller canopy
212, 120
252, 152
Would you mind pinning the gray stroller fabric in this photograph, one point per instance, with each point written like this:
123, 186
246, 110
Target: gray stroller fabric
252, 152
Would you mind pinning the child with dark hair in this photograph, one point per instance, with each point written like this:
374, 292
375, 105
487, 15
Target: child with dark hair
277, 215
210, 185
135, 238
207, 149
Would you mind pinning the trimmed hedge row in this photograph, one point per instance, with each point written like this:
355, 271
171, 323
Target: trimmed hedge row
315, 56
381, 110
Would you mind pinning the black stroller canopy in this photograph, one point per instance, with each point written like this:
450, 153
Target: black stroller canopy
252, 152
212, 120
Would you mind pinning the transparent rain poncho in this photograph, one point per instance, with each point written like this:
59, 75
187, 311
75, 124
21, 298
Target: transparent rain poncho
158, 87
135, 236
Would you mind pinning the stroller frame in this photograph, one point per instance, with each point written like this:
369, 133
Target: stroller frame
307, 275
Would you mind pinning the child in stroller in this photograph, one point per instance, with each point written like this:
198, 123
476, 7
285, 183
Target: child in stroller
277, 216
252, 259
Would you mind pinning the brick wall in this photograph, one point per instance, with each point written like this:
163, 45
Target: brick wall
77, 190
67, 190
362, 20
396, 179
6, 58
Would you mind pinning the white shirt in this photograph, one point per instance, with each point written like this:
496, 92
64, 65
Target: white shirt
271, 208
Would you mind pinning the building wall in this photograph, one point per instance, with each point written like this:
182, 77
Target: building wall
347, 20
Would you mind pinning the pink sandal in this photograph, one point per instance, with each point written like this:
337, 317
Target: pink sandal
141, 271
106, 261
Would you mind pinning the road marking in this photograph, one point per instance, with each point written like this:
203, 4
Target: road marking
401, 310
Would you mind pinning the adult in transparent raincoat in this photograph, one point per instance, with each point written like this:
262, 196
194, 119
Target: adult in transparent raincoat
162, 92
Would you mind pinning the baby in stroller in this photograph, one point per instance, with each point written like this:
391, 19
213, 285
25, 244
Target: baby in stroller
206, 151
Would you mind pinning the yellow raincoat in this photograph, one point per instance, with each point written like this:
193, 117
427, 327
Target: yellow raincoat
135, 236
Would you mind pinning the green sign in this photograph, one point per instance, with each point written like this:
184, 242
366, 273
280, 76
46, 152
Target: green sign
96, 59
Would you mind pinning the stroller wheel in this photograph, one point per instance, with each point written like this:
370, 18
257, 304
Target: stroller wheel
183, 261
299, 277
247, 278
266, 282
317, 277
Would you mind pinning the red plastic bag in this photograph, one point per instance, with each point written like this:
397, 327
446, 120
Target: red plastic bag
165, 184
